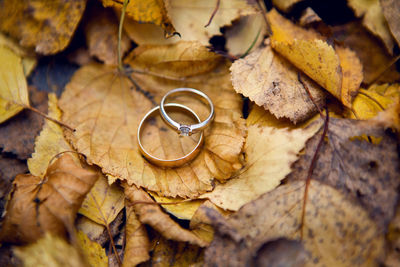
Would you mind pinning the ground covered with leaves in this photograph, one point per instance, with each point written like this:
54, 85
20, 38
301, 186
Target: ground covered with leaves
300, 167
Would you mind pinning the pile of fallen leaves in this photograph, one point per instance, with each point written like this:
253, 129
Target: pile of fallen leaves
300, 166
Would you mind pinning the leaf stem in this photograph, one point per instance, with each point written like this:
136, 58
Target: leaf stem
213, 14
113, 245
252, 45
121, 23
47, 117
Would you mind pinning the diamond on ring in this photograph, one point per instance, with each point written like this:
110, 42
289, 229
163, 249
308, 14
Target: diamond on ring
185, 130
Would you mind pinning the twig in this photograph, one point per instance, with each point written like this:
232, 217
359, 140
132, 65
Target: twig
309, 94
121, 23
213, 14
113, 245
310, 172
269, 31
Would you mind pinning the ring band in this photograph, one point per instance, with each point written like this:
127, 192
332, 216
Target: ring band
184, 129
174, 162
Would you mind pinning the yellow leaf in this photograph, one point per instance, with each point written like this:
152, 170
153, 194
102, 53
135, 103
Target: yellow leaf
137, 241
189, 18
273, 83
95, 254
152, 215
369, 102
94, 231
373, 20
46, 25
178, 60
50, 251
145, 11
183, 211
103, 203
13, 88
285, 5
50, 204
50, 142
337, 231
270, 151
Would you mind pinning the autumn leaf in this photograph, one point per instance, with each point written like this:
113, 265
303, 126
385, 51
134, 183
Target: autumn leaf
137, 241
273, 83
101, 32
46, 25
50, 204
337, 230
269, 154
189, 18
285, 5
373, 20
146, 11
94, 253
13, 88
94, 231
157, 219
391, 9
50, 250
354, 159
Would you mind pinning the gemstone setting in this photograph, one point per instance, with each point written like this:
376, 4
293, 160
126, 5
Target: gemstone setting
185, 130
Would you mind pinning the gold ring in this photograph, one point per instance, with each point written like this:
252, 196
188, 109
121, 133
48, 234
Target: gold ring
173, 162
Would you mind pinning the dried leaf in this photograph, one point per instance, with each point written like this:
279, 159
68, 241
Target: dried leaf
337, 231
373, 20
96, 232
137, 242
17, 136
51, 204
393, 237
50, 251
247, 33
178, 60
377, 64
157, 219
391, 11
101, 36
285, 5
50, 142
189, 19
309, 17
269, 155
103, 203
145, 11
13, 88
369, 102
46, 25
94, 253
360, 159
272, 82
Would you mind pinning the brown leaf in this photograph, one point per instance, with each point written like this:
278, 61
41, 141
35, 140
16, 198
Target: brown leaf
360, 159
46, 25
37, 206
137, 241
337, 231
18, 135
102, 36
153, 215
272, 82
391, 11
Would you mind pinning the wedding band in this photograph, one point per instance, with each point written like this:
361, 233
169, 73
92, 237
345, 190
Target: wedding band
173, 162
184, 129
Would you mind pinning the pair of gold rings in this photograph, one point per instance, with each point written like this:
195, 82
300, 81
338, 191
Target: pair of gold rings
182, 129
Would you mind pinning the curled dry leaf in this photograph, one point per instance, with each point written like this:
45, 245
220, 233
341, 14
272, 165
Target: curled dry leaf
373, 20
273, 83
94, 253
315, 57
179, 60
391, 11
369, 102
103, 203
106, 128
13, 88
46, 26
153, 215
189, 19
39, 205
337, 231
269, 155
101, 36
50, 251
145, 11
50, 142
360, 159
137, 241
